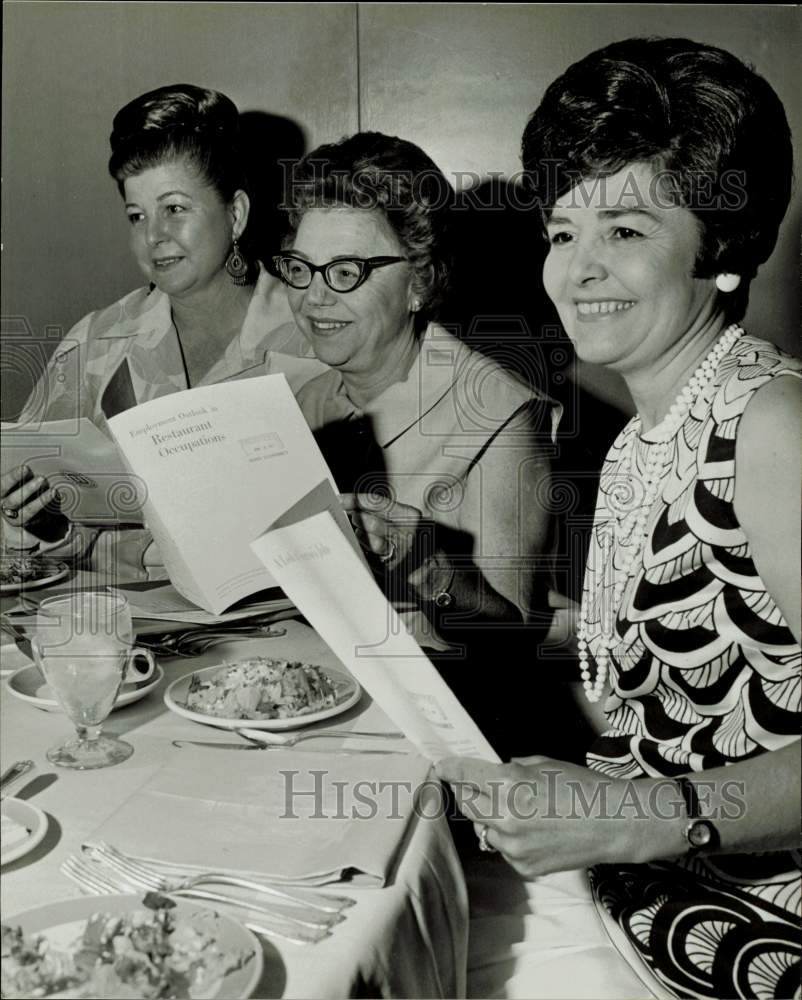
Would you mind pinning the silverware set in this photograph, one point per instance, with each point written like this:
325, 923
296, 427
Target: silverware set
196, 640
187, 642
300, 916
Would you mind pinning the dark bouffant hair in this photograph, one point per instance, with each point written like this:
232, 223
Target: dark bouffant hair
374, 171
715, 131
179, 122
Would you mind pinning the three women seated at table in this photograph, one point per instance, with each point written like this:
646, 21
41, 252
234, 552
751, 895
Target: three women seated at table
208, 313
690, 621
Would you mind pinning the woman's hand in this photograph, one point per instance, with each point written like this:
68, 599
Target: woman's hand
27, 505
547, 815
401, 541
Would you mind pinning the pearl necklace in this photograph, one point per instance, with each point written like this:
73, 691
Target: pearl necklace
631, 526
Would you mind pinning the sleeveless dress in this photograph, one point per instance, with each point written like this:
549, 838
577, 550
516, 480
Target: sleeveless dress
705, 673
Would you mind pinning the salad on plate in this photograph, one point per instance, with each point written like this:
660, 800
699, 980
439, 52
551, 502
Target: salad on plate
261, 688
149, 952
29, 570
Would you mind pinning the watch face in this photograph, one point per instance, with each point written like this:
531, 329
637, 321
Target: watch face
700, 833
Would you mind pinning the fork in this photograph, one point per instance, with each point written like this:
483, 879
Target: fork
279, 739
130, 867
78, 865
193, 642
98, 882
199, 644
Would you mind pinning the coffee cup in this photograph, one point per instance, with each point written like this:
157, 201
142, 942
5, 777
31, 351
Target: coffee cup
140, 667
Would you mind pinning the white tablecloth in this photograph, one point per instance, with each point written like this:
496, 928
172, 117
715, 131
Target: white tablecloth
408, 939
544, 940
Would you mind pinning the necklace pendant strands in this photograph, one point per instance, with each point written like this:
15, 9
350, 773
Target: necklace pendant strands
628, 541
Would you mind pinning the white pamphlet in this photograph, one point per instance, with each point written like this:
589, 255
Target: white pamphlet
317, 568
221, 463
82, 463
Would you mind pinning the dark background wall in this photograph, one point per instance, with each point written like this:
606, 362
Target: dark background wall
460, 80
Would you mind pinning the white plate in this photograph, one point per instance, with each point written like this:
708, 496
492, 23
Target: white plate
347, 694
54, 570
33, 819
62, 922
29, 685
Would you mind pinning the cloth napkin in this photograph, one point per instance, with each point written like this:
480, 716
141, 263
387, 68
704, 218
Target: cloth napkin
294, 816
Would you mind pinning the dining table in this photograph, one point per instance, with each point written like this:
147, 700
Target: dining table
406, 937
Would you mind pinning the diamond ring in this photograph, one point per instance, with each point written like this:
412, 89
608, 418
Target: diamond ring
10, 513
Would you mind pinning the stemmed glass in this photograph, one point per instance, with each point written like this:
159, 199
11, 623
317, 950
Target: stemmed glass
83, 647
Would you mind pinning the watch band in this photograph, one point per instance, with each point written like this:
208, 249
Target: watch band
689, 796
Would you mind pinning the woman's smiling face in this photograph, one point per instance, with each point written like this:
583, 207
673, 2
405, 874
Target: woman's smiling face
181, 230
620, 269
353, 330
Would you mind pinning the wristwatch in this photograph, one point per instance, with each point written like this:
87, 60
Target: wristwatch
442, 597
700, 833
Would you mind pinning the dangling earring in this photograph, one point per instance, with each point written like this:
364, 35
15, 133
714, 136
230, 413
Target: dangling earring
236, 265
415, 305
727, 282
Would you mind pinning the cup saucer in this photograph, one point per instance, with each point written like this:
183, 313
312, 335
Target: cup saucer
29, 685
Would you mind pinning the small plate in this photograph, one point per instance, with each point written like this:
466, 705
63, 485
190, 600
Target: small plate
52, 571
27, 684
347, 694
61, 923
34, 821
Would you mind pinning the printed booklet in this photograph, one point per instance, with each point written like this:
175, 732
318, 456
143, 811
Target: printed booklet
220, 464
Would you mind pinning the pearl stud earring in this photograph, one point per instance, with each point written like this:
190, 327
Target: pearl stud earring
727, 282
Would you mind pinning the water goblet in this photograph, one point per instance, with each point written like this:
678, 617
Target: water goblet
83, 646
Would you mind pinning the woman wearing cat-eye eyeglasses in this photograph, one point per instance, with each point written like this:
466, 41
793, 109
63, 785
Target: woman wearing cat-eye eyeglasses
440, 452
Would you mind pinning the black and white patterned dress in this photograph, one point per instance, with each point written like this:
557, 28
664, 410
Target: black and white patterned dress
705, 673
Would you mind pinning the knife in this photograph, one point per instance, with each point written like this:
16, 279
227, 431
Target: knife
15, 771
277, 746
